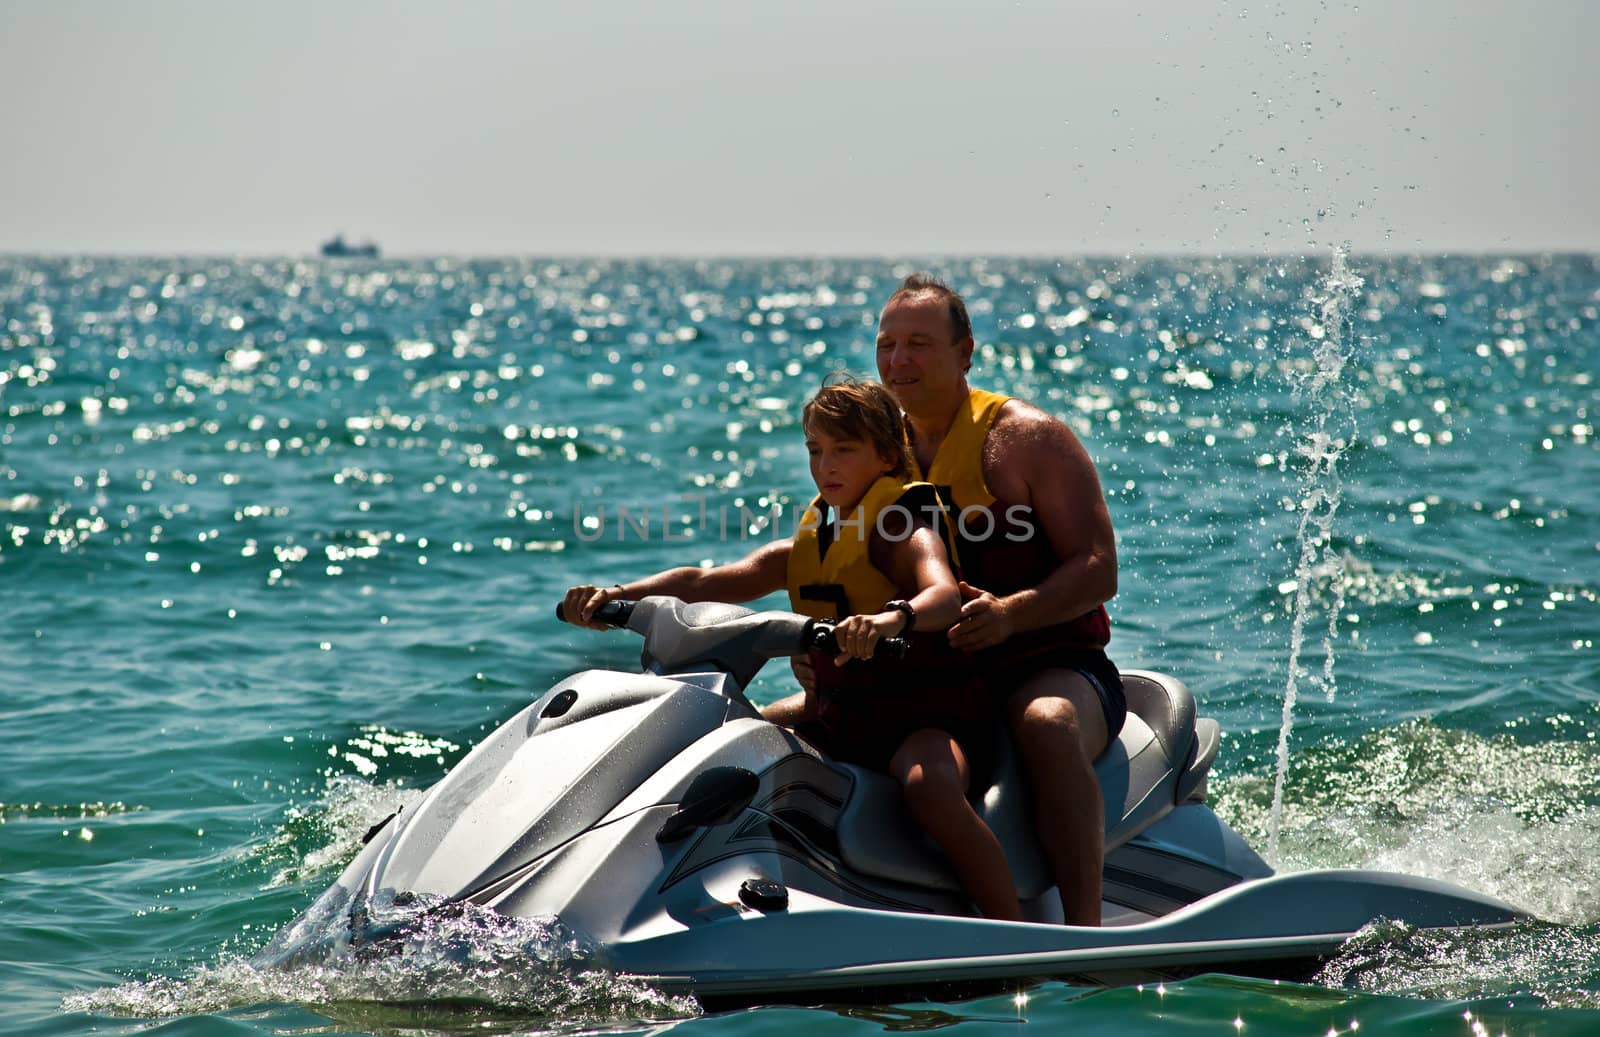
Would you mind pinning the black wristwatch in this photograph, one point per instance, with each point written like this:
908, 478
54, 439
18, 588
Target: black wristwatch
905, 608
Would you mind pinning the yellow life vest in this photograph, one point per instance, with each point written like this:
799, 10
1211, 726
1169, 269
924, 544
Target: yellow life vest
998, 552
957, 468
830, 573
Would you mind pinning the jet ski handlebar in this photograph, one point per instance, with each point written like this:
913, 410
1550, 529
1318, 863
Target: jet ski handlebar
612, 613
817, 635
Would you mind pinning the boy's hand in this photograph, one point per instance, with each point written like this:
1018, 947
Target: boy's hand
859, 635
579, 605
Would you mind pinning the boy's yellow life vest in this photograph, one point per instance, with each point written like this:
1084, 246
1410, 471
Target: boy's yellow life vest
830, 574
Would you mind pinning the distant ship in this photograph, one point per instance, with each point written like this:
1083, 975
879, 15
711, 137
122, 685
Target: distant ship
340, 248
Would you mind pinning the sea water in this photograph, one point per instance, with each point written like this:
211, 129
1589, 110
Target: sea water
281, 540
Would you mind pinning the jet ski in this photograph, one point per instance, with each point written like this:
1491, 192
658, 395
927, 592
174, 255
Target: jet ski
712, 853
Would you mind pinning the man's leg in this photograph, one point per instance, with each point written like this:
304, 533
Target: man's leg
1059, 726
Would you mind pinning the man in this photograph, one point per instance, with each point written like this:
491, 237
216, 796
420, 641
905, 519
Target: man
1038, 561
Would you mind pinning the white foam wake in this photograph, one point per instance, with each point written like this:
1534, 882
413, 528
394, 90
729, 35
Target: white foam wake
432, 960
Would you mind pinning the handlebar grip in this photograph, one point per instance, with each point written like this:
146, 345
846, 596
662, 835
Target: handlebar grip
820, 638
612, 613
891, 648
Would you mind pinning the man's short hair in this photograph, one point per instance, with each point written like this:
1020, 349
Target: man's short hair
927, 284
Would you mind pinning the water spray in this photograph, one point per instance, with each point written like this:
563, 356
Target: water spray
1330, 402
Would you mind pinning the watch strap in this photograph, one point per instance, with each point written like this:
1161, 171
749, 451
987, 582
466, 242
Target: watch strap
904, 607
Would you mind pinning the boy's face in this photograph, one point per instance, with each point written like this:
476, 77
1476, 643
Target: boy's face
843, 468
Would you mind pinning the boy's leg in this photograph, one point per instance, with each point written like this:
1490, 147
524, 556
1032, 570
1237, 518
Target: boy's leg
799, 707
788, 711
932, 770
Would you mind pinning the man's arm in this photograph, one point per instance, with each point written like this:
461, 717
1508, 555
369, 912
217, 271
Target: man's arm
1039, 460
1070, 508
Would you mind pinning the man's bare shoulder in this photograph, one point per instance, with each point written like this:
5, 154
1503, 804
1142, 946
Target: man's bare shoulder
1028, 450
1021, 430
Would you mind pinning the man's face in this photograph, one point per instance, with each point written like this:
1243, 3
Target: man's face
917, 360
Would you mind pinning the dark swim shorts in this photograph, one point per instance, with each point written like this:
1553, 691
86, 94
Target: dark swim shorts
1005, 678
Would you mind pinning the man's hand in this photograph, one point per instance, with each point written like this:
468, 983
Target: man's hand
801, 665
985, 620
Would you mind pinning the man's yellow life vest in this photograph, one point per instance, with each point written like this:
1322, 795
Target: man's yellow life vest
957, 468
1001, 545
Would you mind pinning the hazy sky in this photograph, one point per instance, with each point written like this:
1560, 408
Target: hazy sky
840, 126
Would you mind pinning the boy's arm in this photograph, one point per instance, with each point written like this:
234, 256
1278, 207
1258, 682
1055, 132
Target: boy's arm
919, 564
759, 573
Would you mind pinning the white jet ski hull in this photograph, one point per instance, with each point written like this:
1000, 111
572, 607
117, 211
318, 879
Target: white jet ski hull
698, 846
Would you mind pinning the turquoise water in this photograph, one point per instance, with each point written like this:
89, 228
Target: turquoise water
281, 540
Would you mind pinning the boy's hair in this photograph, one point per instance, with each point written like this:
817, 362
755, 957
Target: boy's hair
848, 408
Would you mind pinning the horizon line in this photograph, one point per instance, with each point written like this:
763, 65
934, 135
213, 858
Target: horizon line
757, 256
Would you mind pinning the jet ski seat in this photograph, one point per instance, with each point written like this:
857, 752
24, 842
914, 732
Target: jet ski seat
1157, 761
